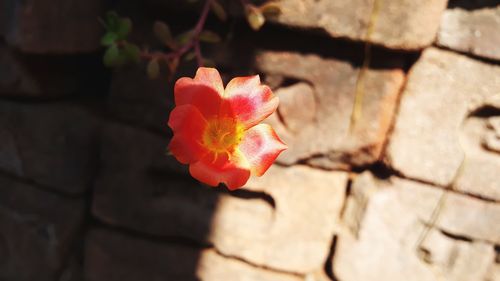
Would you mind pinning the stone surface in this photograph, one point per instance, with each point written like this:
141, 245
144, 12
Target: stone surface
141, 188
37, 231
55, 145
387, 221
395, 24
293, 100
139, 195
479, 172
494, 272
107, 259
50, 76
139, 100
294, 236
456, 259
442, 90
52, 26
321, 133
471, 31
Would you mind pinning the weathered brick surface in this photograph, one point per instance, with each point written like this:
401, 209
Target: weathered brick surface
471, 31
387, 221
133, 191
55, 145
54, 27
326, 137
267, 236
395, 24
139, 100
37, 231
107, 259
445, 90
53, 77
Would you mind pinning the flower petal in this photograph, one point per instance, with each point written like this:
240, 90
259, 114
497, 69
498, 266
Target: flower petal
250, 101
220, 168
261, 146
188, 125
204, 91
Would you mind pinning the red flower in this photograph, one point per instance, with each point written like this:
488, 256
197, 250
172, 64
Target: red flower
216, 131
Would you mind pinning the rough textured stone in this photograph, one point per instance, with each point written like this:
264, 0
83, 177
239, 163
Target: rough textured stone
479, 172
294, 236
50, 76
140, 196
456, 259
443, 88
325, 137
381, 228
297, 106
396, 24
51, 26
142, 188
471, 31
492, 138
106, 259
494, 272
37, 230
386, 221
137, 99
55, 145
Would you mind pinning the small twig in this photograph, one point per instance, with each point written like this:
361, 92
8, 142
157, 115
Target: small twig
197, 51
193, 43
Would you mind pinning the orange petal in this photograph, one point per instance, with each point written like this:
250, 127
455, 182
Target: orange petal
250, 101
188, 125
204, 91
221, 168
261, 146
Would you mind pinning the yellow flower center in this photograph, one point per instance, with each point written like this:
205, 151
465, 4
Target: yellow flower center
222, 134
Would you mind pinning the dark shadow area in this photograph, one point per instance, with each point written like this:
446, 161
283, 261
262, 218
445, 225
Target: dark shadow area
140, 216
485, 112
472, 4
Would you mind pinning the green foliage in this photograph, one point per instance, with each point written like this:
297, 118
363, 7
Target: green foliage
117, 28
218, 10
153, 68
163, 33
118, 56
184, 38
118, 51
209, 36
189, 56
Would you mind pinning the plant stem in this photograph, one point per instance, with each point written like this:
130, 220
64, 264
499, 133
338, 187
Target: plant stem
194, 42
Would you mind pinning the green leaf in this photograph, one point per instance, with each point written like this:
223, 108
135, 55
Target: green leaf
209, 36
218, 10
189, 56
209, 63
121, 27
112, 56
254, 17
162, 32
131, 52
124, 28
184, 38
112, 21
153, 69
109, 39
